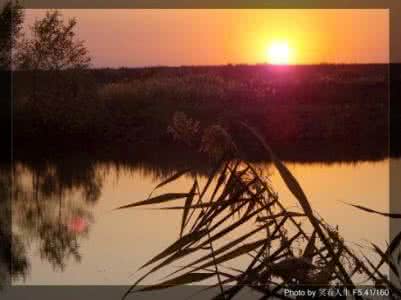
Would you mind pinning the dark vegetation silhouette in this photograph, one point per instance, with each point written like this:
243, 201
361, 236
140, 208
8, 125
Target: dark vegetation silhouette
11, 19
237, 216
13, 262
53, 54
303, 106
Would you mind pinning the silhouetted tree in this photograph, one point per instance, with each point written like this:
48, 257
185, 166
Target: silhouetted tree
51, 51
53, 46
11, 18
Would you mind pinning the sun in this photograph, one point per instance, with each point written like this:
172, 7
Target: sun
279, 53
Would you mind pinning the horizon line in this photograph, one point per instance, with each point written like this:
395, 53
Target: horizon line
247, 64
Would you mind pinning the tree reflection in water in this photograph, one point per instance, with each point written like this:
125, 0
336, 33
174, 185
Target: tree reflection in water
13, 260
51, 208
52, 203
52, 200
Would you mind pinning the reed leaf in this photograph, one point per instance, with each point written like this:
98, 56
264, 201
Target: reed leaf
285, 174
283, 214
220, 250
187, 206
394, 243
390, 215
385, 257
233, 226
202, 205
310, 247
390, 250
178, 245
234, 253
383, 278
156, 200
172, 178
299, 194
209, 181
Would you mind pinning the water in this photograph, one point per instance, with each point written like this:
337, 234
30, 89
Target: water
75, 201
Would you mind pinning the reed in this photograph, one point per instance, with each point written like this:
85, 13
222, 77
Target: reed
236, 216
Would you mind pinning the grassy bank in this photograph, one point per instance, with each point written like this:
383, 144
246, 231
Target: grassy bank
111, 109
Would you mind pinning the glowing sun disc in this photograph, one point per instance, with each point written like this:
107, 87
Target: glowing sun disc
278, 53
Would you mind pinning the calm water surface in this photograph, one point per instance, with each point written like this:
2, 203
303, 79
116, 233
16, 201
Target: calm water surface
72, 236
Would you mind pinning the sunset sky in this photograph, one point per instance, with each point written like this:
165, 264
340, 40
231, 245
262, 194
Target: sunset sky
117, 38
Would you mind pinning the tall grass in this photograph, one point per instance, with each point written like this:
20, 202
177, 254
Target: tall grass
236, 216
131, 107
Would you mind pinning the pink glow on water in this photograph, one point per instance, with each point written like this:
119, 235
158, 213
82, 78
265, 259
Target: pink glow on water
78, 225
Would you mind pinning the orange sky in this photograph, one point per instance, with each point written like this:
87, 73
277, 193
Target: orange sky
118, 38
